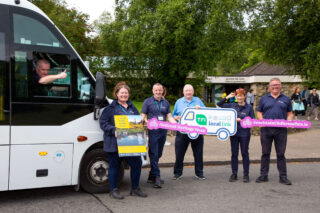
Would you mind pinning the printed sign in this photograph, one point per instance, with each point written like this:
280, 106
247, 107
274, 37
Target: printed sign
248, 122
217, 121
155, 124
131, 138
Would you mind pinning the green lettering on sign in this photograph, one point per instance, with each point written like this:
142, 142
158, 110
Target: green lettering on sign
201, 119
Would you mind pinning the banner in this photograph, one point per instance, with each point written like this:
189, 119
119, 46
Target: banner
131, 138
248, 122
204, 121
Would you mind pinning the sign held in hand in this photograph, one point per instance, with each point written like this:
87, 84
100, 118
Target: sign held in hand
155, 124
248, 122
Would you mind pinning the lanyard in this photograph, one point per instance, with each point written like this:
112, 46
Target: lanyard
159, 108
123, 109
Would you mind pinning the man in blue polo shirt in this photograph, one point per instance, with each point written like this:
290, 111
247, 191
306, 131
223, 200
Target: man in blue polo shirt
274, 105
182, 140
159, 108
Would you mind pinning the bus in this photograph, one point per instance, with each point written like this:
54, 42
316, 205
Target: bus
48, 138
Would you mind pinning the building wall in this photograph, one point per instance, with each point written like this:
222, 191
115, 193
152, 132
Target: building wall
260, 89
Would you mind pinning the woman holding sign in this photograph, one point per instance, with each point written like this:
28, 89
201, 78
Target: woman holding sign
242, 137
120, 106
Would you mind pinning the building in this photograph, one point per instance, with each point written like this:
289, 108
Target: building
256, 77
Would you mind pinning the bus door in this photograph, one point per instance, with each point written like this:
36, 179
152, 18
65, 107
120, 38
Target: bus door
42, 142
4, 99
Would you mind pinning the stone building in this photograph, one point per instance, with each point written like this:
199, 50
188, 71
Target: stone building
256, 77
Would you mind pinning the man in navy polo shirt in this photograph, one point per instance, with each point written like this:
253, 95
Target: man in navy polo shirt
182, 140
274, 105
159, 108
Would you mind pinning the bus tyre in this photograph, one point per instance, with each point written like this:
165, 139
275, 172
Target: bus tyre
94, 172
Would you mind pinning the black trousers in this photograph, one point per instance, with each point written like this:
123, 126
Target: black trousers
243, 142
181, 145
279, 136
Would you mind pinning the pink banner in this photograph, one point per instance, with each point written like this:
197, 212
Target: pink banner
248, 122
155, 124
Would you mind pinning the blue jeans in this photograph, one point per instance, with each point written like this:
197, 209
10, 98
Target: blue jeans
135, 164
157, 139
181, 145
243, 141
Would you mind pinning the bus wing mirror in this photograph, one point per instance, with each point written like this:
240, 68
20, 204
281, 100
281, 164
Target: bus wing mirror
100, 94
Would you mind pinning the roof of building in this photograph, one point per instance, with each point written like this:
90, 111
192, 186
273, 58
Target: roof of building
264, 68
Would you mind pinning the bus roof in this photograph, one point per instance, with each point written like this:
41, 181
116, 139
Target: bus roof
25, 4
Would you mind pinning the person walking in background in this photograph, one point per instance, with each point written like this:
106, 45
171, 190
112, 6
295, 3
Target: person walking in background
242, 137
250, 97
120, 106
182, 141
159, 108
298, 106
304, 95
313, 101
274, 105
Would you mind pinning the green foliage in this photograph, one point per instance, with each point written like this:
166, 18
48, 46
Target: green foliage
289, 34
167, 40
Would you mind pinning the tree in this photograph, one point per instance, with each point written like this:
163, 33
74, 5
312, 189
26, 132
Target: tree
289, 34
171, 39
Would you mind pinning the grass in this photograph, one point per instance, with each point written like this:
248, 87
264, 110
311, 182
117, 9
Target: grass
139, 104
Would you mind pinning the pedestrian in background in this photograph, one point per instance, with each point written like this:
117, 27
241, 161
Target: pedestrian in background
250, 97
313, 101
304, 95
298, 106
242, 137
182, 141
274, 105
159, 108
120, 106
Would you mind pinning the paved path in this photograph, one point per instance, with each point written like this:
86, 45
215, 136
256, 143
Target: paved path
215, 194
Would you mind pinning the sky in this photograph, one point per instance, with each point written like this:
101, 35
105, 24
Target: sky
93, 8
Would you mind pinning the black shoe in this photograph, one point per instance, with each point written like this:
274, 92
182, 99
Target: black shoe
138, 193
176, 177
157, 183
246, 179
116, 194
262, 179
285, 181
233, 178
151, 179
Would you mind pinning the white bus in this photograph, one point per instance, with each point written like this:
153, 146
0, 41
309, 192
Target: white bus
48, 134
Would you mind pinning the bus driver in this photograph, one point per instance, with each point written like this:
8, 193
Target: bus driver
43, 69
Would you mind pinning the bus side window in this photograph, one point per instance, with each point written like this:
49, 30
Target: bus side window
2, 77
58, 63
85, 88
21, 74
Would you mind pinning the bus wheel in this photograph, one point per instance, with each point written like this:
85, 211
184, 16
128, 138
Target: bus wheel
94, 172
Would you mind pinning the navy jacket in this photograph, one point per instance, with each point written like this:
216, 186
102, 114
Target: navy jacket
242, 112
107, 123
